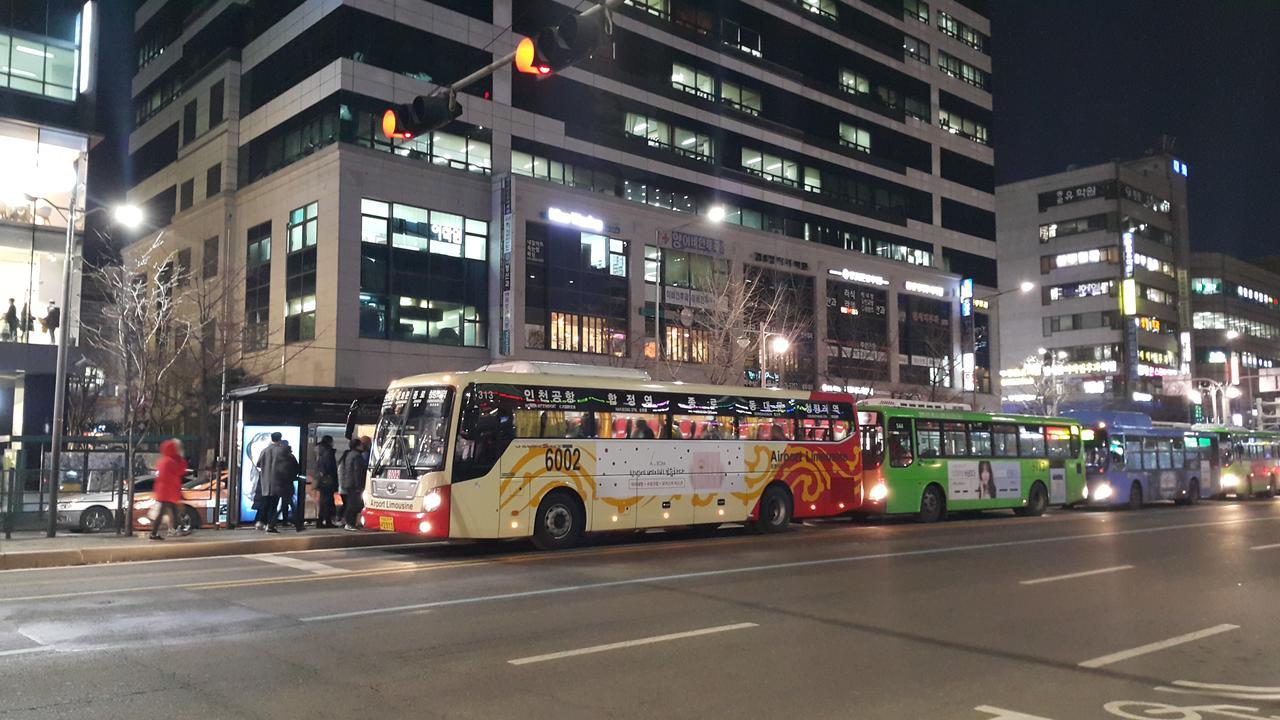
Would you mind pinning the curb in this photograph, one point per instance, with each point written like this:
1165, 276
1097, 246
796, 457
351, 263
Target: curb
23, 560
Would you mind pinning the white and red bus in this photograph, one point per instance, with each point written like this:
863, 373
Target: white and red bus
552, 451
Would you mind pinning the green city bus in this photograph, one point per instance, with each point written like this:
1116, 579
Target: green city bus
932, 458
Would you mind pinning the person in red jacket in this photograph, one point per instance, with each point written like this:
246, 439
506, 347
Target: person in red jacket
167, 491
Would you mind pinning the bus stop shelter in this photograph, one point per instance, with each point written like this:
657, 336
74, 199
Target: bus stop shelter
302, 415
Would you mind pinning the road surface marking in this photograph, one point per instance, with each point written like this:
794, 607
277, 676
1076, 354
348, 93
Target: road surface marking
593, 552
1272, 546
757, 568
1156, 646
630, 643
1072, 576
1234, 692
1002, 714
312, 567
25, 651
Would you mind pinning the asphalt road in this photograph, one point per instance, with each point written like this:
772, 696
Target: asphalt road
1073, 615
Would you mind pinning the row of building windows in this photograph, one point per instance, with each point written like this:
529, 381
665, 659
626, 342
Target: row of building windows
1221, 321
661, 134
970, 36
1093, 256
1081, 321
964, 127
859, 84
957, 68
544, 168
1154, 264
39, 67
702, 84
1094, 288
1074, 226
1215, 286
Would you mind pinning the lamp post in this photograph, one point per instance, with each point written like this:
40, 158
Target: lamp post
715, 215
125, 215
1024, 287
778, 343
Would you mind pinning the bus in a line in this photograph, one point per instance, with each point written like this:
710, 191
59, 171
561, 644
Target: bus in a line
552, 451
1250, 461
931, 458
1132, 461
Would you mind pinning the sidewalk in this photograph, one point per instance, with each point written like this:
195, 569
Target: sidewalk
31, 549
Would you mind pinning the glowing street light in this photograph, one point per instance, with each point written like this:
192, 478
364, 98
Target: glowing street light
779, 344
1027, 286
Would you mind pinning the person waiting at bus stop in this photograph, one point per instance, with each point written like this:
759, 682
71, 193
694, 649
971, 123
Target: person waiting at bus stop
326, 475
167, 491
351, 477
277, 469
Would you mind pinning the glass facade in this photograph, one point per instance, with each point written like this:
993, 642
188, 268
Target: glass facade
300, 268
585, 308
257, 288
423, 275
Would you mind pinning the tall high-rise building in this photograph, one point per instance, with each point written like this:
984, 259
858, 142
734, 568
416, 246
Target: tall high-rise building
836, 149
48, 53
1108, 246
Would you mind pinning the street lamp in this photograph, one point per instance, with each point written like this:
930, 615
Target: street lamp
129, 216
778, 343
715, 215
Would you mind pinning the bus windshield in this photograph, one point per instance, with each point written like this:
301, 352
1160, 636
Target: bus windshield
1097, 446
413, 431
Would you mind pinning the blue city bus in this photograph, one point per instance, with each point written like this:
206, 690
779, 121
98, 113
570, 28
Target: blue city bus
1131, 461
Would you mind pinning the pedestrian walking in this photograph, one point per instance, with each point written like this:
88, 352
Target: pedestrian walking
351, 477
288, 498
326, 477
52, 319
167, 490
11, 321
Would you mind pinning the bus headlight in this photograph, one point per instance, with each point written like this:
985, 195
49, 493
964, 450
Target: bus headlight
1085, 492
1229, 480
878, 492
432, 501
1102, 492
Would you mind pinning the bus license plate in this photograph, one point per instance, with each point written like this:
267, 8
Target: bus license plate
387, 523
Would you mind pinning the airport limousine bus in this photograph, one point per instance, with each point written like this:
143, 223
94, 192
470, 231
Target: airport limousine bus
1132, 461
931, 458
1250, 461
552, 451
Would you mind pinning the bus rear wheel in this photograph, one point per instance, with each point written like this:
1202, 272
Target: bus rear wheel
932, 505
775, 510
1271, 487
1193, 494
1037, 502
559, 522
1135, 496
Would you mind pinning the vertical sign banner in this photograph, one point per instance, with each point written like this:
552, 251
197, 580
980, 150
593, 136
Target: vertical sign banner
508, 241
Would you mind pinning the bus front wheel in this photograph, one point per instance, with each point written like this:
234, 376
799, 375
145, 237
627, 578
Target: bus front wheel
1037, 502
1193, 494
1135, 496
1271, 487
559, 522
775, 510
932, 505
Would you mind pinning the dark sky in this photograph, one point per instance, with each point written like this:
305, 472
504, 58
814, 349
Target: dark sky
1083, 81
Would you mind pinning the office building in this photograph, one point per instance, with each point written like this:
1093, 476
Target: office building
1108, 246
47, 98
836, 149
1235, 316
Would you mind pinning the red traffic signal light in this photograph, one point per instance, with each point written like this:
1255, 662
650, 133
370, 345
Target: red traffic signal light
420, 117
527, 59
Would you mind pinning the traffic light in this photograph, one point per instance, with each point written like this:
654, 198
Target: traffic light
556, 48
420, 117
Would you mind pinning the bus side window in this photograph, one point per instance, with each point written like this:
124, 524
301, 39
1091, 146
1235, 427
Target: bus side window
900, 445
1031, 441
929, 438
955, 439
842, 429
980, 439
485, 431
1133, 453
1116, 451
1004, 439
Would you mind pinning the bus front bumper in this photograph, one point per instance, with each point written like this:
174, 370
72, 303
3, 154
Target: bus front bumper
427, 523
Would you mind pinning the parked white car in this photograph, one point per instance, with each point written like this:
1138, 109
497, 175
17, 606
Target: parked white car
96, 512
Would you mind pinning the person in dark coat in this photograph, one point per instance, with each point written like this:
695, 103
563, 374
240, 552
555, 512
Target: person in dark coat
326, 479
52, 319
282, 484
352, 467
11, 321
263, 502
277, 468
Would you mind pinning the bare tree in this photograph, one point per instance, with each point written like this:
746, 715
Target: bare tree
143, 332
719, 337
943, 361
857, 337
1045, 391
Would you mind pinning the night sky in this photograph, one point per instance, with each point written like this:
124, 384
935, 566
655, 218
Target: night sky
1083, 81
1075, 82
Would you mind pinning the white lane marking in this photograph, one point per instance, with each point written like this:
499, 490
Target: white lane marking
1002, 714
630, 643
763, 568
1157, 646
1234, 692
297, 564
1072, 576
25, 651
1272, 546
